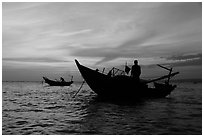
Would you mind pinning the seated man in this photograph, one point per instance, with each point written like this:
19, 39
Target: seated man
62, 80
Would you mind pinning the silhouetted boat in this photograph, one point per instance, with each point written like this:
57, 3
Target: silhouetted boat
123, 87
57, 83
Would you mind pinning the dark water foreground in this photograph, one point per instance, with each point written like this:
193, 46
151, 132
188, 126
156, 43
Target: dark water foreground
28, 108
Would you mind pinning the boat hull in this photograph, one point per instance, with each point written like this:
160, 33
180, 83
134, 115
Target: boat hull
57, 83
121, 86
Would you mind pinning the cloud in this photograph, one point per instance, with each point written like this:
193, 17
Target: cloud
73, 33
193, 62
35, 60
194, 59
100, 32
165, 30
151, 51
185, 57
186, 60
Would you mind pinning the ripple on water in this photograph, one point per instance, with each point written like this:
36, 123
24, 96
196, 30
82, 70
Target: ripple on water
41, 125
67, 131
22, 122
55, 107
29, 108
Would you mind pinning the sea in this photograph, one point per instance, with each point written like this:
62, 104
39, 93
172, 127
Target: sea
33, 108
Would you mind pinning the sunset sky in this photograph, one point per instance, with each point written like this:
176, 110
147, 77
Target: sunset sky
43, 39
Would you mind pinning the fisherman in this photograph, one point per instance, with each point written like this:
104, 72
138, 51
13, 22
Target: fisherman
62, 79
136, 71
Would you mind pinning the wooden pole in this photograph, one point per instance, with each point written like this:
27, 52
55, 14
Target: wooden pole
79, 89
103, 70
164, 67
163, 77
169, 76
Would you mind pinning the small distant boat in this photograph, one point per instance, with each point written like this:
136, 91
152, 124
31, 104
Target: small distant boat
57, 83
122, 87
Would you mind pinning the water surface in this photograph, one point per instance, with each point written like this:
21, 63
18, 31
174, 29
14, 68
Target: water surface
30, 108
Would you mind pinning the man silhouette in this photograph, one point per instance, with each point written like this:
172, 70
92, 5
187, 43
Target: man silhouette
136, 71
62, 79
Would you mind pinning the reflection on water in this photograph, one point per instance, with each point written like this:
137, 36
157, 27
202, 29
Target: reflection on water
28, 108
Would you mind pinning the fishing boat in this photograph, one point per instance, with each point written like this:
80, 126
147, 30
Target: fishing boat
57, 83
120, 86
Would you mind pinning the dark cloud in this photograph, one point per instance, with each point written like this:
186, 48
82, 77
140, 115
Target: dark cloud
126, 49
185, 63
163, 34
194, 62
185, 57
186, 60
130, 49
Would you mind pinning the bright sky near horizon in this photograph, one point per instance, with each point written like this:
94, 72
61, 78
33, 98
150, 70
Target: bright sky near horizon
45, 38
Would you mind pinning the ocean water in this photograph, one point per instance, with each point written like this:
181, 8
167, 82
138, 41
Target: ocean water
31, 108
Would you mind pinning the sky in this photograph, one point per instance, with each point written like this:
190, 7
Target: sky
43, 39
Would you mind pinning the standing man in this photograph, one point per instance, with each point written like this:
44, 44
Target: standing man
136, 71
